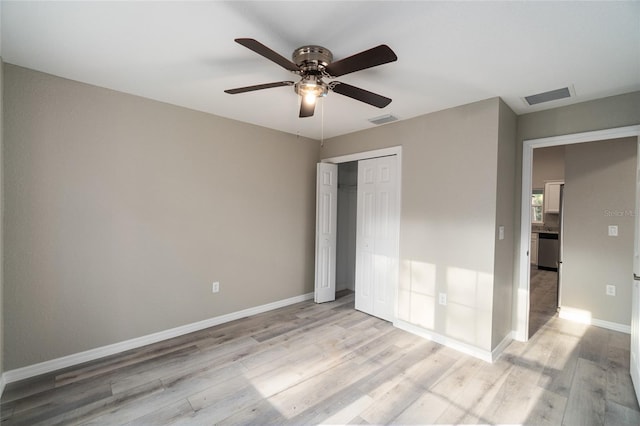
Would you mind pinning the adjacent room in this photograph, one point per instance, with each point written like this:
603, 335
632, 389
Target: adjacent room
333, 212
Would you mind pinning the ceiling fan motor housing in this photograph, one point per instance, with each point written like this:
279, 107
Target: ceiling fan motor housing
312, 58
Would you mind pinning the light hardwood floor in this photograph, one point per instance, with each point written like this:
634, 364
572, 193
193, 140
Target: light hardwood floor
543, 298
310, 364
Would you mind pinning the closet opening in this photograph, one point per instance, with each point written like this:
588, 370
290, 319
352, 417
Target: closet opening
358, 228
346, 227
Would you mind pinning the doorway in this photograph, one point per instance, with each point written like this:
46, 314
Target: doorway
547, 207
522, 303
357, 229
523, 291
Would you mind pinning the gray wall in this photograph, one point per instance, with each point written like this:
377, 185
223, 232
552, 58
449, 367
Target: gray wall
448, 215
121, 211
503, 260
548, 164
611, 112
599, 191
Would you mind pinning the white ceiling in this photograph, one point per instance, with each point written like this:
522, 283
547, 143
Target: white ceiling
449, 53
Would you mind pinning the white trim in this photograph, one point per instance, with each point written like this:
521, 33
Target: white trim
636, 387
522, 291
394, 150
383, 152
582, 317
597, 135
502, 346
2, 384
93, 354
454, 344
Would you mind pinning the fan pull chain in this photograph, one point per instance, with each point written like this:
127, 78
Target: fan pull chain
322, 123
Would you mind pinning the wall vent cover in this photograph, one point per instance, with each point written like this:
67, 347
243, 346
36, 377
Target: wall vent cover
552, 95
387, 118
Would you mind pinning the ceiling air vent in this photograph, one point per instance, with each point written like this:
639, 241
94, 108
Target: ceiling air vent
387, 118
552, 95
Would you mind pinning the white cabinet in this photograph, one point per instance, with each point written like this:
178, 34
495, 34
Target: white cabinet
533, 254
552, 196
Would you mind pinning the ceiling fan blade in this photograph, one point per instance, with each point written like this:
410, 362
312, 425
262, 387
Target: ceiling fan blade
369, 58
306, 109
259, 87
263, 50
360, 94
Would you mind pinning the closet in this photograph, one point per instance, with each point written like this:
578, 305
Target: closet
357, 232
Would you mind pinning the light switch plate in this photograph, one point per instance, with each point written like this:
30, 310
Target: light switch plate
442, 298
501, 232
613, 230
611, 290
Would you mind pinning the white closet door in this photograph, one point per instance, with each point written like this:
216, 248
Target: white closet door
377, 237
386, 251
326, 232
365, 236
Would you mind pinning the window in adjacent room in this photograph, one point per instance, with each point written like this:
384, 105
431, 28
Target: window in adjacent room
536, 206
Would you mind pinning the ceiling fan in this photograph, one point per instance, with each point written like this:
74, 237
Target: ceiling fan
313, 63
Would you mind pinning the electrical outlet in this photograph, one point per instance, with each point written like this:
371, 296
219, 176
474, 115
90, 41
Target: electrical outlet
613, 230
611, 290
442, 298
215, 287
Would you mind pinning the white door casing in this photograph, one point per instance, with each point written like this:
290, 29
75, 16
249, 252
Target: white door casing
326, 232
635, 290
560, 249
521, 317
377, 237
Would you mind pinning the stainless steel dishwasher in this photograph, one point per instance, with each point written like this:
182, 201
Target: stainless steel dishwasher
548, 251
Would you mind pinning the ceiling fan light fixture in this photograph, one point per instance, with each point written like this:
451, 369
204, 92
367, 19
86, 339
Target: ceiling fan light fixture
309, 98
311, 88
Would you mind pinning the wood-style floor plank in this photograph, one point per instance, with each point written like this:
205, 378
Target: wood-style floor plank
543, 288
557, 375
619, 385
113, 405
586, 404
618, 415
330, 364
427, 409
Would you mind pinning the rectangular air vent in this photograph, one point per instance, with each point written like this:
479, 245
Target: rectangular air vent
387, 118
552, 95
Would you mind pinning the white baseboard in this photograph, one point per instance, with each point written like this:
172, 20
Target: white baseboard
584, 317
502, 345
2, 384
93, 354
465, 348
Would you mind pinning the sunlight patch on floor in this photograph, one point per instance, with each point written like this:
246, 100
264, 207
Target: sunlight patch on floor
576, 315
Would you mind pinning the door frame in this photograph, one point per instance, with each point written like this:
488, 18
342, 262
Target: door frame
522, 291
365, 155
